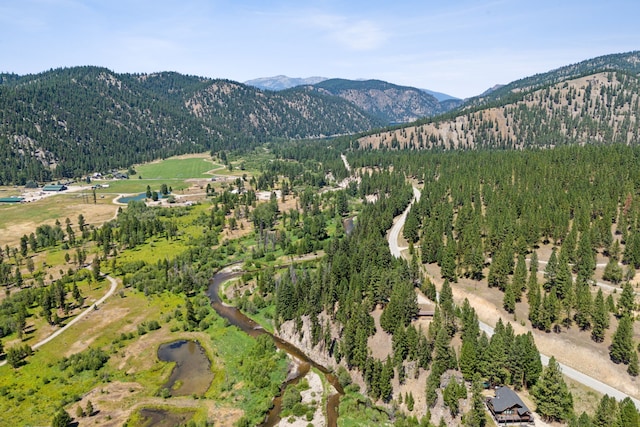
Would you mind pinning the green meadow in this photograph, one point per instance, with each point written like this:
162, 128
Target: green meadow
177, 168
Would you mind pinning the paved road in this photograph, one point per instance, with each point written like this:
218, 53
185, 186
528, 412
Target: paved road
569, 372
112, 289
394, 233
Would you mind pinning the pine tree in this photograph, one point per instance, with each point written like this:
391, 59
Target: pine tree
509, 299
476, 263
582, 421
622, 342
519, 281
533, 263
450, 397
552, 396
533, 297
583, 304
384, 384
61, 419
633, 368
626, 303
501, 267
433, 383
477, 415
448, 262
607, 412
548, 312
563, 281
447, 308
599, 317
444, 357
497, 354
527, 357
628, 414
550, 271
586, 262
613, 271
410, 401
468, 358
568, 248
89, 410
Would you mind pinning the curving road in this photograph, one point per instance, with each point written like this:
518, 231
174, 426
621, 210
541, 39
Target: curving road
569, 372
394, 233
112, 289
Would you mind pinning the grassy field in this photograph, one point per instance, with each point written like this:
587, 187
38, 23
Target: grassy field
250, 162
19, 219
31, 393
182, 167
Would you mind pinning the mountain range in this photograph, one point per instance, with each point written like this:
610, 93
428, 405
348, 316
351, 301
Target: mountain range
72, 121
391, 103
68, 122
282, 82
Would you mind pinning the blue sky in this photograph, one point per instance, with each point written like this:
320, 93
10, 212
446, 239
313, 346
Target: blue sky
460, 47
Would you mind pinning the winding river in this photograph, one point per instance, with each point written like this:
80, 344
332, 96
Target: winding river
302, 361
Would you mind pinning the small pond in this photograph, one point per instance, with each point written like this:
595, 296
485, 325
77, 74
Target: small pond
192, 373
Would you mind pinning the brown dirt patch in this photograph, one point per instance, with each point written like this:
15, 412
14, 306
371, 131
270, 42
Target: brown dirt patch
380, 342
115, 402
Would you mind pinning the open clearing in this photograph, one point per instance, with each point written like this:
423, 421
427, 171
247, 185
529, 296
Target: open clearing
19, 219
181, 167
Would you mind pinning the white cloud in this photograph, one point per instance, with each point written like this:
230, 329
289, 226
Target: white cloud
361, 35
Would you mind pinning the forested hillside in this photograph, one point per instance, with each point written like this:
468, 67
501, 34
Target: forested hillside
627, 62
68, 122
598, 108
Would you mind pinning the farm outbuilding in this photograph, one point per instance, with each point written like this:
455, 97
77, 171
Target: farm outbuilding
11, 199
54, 187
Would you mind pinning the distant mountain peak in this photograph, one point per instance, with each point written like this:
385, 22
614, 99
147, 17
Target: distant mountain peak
282, 82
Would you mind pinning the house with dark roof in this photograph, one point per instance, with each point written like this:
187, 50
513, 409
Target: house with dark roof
508, 409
